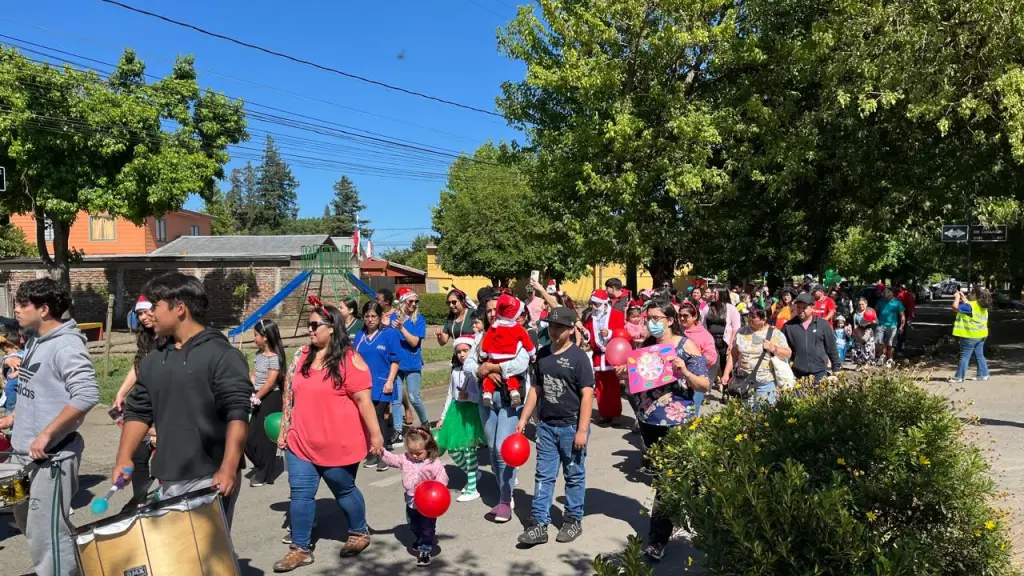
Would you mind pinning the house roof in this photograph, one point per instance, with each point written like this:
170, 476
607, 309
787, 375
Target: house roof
240, 245
380, 264
193, 213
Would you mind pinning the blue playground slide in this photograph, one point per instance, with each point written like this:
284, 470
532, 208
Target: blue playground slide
276, 299
362, 285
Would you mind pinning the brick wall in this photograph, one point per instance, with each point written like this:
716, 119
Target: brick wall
93, 281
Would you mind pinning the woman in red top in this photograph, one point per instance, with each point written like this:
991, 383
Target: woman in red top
328, 426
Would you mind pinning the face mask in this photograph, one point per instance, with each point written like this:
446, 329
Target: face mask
656, 329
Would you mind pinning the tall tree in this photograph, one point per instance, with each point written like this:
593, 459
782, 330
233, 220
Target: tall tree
488, 222
343, 216
224, 221
72, 141
241, 195
274, 201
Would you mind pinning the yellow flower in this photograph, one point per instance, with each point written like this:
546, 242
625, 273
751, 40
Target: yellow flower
791, 421
796, 386
841, 461
757, 449
739, 437
703, 453
990, 525
871, 516
696, 422
716, 418
977, 532
924, 461
689, 561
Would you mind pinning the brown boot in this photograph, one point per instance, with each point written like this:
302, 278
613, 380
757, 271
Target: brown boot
295, 558
356, 543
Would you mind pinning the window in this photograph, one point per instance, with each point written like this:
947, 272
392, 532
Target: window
195, 230
48, 230
161, 230
101, 228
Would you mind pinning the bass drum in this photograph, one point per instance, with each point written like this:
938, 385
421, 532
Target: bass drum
183, 535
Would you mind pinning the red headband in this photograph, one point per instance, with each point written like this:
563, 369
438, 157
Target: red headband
314, 301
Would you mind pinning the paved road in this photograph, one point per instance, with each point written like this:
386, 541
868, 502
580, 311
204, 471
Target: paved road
469, 544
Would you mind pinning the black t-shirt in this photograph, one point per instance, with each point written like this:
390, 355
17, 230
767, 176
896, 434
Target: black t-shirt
560, 381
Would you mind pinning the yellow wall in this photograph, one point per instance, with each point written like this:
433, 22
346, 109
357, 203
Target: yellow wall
439, 281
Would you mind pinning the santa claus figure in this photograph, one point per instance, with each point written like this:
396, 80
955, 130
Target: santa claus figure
602, 322
502, 341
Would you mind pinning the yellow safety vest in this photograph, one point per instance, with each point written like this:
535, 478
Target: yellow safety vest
973, 326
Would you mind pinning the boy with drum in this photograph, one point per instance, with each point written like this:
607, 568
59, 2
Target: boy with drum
195, 390
56, 388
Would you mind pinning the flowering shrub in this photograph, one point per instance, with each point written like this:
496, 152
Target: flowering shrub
871, 476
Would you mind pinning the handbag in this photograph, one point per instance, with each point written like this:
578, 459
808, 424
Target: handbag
744, 382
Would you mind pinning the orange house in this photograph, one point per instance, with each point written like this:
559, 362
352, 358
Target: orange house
100, 234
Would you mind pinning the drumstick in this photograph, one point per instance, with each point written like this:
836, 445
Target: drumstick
100, 505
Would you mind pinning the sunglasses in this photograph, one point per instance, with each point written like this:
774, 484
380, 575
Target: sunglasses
314, 325
413, 302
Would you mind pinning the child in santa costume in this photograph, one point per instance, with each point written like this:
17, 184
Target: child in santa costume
502, 341
603, 321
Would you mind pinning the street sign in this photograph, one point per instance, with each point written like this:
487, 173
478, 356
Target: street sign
955, 232
982, 234
3, 179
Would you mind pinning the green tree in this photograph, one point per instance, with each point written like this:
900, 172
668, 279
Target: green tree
224, 222
13, 243
305, 226
342, 214
489, 223
415, 255
240, 196
73, 141
273, 202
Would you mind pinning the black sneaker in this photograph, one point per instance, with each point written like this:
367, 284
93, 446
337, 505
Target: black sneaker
396, 440
535, 534
571, 530
371, 461
423, 558
381, 466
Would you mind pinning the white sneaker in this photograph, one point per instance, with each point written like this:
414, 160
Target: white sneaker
980, 379
468, 496
486, 400
515, 398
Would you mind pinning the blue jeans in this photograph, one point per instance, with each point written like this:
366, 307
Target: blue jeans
969, 346
554, 447
409, 381
423, 529
499, 422
304, 479
11, 393
763, 392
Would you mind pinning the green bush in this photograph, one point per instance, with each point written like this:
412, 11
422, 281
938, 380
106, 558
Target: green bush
434, 307
872, 476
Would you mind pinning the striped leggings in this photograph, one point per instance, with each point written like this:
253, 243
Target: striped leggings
467, 462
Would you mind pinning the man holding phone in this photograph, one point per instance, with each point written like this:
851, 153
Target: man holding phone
534, 304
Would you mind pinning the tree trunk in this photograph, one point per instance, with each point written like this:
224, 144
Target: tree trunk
631, 281
662, 266
58, 264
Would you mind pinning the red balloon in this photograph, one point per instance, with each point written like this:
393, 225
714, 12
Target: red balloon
432, 498
617, 351
622, 333
515, 450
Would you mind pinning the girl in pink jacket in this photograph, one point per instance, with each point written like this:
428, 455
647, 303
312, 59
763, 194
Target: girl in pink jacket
419, 463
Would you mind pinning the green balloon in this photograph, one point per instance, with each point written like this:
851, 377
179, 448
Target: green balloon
272, 426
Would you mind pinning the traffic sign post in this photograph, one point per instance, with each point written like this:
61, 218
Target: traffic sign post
3, 179
982, 234
969, 234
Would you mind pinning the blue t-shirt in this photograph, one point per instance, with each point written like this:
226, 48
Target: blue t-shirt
410, 358
889, 312
379, 351
840, 338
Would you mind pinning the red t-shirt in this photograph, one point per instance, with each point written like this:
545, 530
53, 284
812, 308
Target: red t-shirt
908, 300
326, 428
823, 307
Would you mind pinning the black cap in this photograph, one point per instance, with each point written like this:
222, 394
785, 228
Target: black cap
613, 283
818, 288
562, 316
805, 298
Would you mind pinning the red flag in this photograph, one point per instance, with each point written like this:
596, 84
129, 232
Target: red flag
355, 243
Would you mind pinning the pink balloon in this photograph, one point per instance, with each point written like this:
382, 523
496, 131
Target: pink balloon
617, 351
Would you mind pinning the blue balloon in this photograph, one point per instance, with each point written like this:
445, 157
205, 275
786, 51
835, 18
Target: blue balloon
133, 321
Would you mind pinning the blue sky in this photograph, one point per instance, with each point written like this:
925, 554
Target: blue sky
444, 48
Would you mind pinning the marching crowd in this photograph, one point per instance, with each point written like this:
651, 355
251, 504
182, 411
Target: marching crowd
352, 394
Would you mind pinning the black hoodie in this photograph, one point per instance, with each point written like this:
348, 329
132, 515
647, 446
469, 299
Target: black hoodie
190, 395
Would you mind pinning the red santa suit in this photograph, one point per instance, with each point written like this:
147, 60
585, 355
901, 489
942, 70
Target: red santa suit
502, 341
608, 319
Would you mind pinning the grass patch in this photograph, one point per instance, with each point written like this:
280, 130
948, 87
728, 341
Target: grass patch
443, 354
121, 363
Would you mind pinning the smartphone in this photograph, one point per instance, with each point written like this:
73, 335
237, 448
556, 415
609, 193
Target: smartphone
535, 275
116, 413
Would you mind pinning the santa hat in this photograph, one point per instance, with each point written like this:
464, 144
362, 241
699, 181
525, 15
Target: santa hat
599, 297
404, 294
464, 341
552, 287
508, 310
143, 303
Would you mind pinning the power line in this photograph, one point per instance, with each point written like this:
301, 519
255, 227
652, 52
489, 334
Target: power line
301, 60
235, 79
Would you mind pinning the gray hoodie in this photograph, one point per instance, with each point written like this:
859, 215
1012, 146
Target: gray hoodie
55, 372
